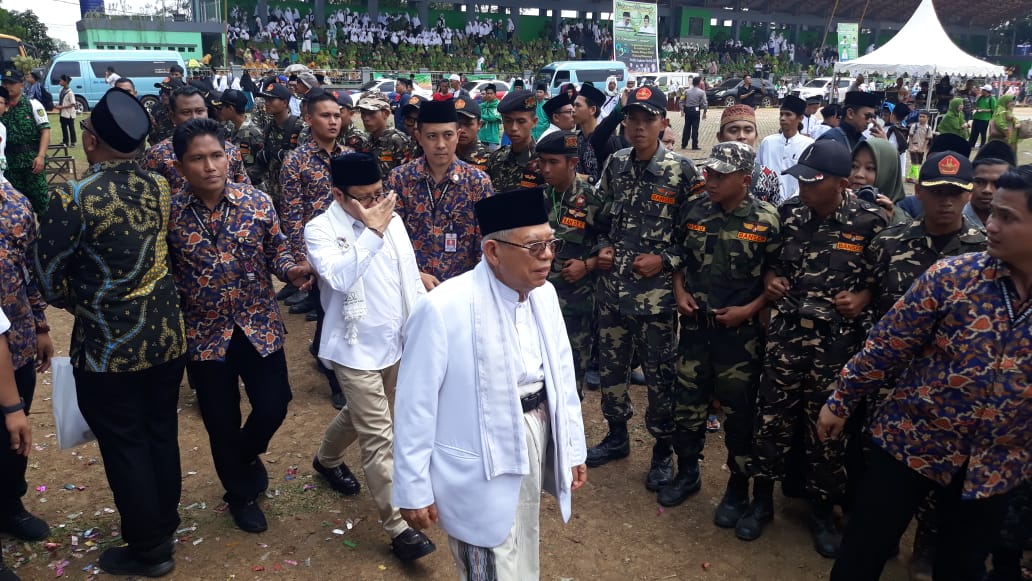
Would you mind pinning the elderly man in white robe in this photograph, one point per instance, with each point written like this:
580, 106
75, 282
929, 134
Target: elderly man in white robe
487, 413
369, 283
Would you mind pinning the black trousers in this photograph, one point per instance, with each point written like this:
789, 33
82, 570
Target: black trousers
235, 448
888, 498
691, 129
331, 377
67, 131
13, 466
979, 131
134, 418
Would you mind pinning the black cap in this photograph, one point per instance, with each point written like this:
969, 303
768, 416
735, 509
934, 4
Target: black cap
354, 169
558, 143
861, 99
512, 209
13, 75
515, 101
946, 168
519, 83
997, 150
438, 112
553, 105
120, 121
649, 98
414, 102
831, 110
169, 84
793, 104
275, 91
231, 97
813, 101
592, 95
467, 107
950, 142
823, 158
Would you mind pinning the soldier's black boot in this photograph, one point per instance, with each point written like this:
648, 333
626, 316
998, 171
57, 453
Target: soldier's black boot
759, 513
735, 502
614, 446
661, 471
826, 537
687, 482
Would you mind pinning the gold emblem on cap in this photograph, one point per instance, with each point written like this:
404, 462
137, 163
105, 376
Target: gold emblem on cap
413, 100
571, 141
643, 94
949, 166
529, 102
459, 104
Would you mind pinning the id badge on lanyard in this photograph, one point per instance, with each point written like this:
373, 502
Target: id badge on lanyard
451, 242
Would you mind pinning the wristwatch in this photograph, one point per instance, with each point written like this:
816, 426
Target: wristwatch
20, 406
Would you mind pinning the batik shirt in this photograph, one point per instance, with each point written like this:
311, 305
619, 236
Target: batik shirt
21, 300
305, 183
222, 261
509, 170
442, 227
160, 159
102, 255
957, 350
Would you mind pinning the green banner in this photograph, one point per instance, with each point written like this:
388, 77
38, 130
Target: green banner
634, 35
848, 41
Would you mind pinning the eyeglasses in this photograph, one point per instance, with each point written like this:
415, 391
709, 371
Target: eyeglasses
565, 111
538, 248
870, 115
85, 128
366, 199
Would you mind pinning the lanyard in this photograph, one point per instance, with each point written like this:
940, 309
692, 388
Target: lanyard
1008, 302
209, 233
430, 188
557, 206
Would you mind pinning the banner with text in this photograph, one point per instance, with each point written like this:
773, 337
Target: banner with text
848, 41
634, 35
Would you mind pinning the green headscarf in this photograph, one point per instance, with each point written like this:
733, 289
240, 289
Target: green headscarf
889, 179
953, 121
1004, 119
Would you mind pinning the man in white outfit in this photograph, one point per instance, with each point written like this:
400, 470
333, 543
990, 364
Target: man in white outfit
487, 412
368, 283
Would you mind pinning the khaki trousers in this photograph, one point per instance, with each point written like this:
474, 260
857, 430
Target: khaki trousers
518, 557
367, 418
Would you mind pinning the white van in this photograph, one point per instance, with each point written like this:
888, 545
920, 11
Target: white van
87, 68
578, 72
668, 81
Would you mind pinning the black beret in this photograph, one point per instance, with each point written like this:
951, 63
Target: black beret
592, 95
512, 209
120, 121
354, 169
996, 149
553, 105
558, 142
515, 101
438, 112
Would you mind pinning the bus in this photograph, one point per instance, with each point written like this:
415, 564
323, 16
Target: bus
10, 47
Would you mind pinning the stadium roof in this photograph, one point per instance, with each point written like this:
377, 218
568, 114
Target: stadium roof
963, 13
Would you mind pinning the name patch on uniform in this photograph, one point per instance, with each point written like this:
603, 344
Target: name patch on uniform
657, 197
853, 237
572, 223
695, 227
854, 248
751, 237
386, 157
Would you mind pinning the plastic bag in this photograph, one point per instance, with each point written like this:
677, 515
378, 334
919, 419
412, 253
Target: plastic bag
72, 429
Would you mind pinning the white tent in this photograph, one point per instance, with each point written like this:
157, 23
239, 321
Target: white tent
920, 48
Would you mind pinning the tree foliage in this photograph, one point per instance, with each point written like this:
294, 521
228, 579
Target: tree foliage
26, 25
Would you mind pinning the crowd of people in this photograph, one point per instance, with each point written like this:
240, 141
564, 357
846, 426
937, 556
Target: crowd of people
869, 349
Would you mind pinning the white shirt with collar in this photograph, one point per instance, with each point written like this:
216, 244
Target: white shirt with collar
779, 154
528, 337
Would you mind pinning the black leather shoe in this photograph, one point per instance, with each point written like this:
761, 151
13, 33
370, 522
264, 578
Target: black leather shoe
296, 298
7, 574
614, 446
340, 478
687, 483
302, 307
248, 516
286, 292
311, 316
25, 526
826, 537
661, 469
411, 545
124, 561
759, 513
734, 504
338, 400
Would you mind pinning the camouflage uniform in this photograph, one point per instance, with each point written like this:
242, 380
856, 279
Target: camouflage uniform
808, 341
641, 202
477, 156
249, 140
572, 215
349, 137
509, 170
392, 148
259, 116
726, 255
279, 140
161, 124
25, 123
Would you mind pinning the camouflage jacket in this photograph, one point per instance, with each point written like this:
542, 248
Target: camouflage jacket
477, 156
259, 116
349, 137
901, 253
249, 140
572, 215
640, 206
510, 171
279, 140
161, 124
392, 148
726, 254
821, 258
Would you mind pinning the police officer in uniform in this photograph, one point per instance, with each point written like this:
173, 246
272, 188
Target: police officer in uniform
387, 144
572, 209
731, 239
513, 166
643, 189
820, 286
230, 106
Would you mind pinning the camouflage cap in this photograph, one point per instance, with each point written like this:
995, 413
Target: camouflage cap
374, 101
729, 157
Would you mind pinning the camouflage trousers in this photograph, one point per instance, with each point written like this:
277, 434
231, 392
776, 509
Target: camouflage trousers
579, 328
31, 185
802, 363
654, 337
724, 364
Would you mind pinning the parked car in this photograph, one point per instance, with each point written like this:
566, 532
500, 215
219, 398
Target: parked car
726, 93
475, 87
386, 86
821, 87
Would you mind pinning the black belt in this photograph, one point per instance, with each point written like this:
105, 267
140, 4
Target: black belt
16, 148
532, 401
